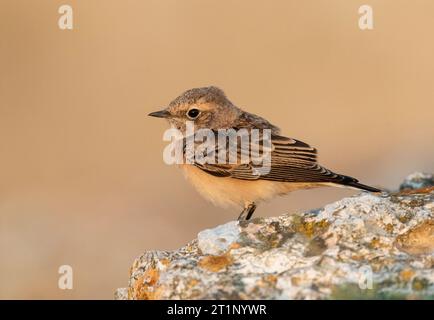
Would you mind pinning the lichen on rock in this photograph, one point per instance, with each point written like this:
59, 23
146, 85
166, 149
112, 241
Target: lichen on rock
365, 246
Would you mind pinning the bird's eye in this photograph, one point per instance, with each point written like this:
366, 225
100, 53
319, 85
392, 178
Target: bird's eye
193, 113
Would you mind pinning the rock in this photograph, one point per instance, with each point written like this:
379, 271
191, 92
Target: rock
218, 240
419, 240
121, 294
417, 180
366, 246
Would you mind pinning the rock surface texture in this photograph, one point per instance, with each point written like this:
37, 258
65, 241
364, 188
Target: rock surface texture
366, 246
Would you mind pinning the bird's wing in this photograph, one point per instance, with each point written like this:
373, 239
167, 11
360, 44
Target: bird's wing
290, 160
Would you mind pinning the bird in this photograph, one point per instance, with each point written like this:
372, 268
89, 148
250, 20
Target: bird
293, 164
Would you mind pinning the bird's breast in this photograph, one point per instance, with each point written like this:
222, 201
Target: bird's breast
227, 191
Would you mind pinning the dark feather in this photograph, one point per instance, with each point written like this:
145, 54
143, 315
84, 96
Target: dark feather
291, 161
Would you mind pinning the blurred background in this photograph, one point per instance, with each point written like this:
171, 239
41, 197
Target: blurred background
82, 180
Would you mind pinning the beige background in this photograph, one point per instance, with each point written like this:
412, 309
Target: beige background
82, 181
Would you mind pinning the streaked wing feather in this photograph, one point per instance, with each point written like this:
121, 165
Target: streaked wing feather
288, 150
291, 161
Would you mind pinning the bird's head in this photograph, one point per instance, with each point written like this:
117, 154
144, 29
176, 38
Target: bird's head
206, 107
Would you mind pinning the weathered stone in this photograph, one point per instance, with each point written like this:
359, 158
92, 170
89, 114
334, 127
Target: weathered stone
419, 240
218, 240
365, 246
418, 180
121, 294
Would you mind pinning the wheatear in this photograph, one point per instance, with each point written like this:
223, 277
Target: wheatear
293, 164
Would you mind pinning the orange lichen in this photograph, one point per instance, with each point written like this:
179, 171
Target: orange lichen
389, 228
165, 262
406, 274
419, 240
311, 228
234, 245
215, 263
295, 281
193, 282
358, 257
266, 281
375, 243
270, 279
417, 191
145, 287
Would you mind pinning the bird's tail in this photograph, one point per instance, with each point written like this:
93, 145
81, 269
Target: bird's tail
354, 183
363, 187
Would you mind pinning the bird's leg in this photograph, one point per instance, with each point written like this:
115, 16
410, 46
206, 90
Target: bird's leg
247, 213
242, 214
251, 209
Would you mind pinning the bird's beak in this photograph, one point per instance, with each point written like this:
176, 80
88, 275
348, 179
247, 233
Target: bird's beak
160, 114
